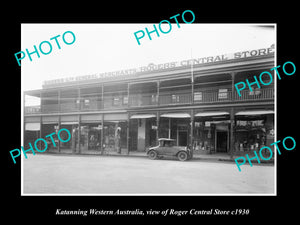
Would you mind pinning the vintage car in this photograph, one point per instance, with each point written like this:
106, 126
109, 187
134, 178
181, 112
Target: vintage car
167, 147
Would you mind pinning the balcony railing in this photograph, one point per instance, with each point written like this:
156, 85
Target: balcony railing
257, 94
137, 100
152, 99
32, 109
175, 99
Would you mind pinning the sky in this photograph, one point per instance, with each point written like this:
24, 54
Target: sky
110, 47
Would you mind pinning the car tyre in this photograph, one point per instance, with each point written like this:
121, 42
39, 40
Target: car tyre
182, 156
152, 154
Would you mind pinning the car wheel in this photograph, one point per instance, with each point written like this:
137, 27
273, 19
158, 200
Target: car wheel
152, 154
182, 156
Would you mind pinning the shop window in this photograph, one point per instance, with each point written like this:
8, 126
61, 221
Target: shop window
223, 93
250, 135
90, 136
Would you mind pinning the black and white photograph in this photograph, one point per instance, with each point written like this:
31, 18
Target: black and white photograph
156, 118
136, 114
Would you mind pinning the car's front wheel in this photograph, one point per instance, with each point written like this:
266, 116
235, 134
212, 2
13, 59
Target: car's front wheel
182, 156
152, 154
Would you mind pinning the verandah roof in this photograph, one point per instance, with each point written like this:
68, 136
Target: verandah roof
254, 112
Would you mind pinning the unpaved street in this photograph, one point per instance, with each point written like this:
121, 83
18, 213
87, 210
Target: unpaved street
61, 174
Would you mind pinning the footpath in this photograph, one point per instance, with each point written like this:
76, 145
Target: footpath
207, 157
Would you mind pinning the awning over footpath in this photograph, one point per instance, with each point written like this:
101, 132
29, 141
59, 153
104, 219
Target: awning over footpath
142, 116
254, 112
215, 113
69, 123
176, 115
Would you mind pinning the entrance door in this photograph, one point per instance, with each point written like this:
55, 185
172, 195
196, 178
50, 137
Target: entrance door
182, 138
133, 134
222, 138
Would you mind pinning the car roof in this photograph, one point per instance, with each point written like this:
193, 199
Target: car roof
166, 139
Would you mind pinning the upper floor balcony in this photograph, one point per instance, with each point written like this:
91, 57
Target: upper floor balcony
224, 95
159, 92
139, 100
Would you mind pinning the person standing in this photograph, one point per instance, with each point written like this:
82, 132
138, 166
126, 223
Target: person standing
117, 140
74, 139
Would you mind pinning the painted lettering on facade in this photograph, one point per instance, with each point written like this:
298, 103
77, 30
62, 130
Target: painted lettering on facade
151, 67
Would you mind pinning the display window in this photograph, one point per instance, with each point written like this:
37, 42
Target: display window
90, 136
204, 136
73, 144
253, 132
49, 129
115, 136
211, 132
29, 137
175, 128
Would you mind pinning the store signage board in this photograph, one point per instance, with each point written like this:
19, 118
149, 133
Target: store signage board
165, 66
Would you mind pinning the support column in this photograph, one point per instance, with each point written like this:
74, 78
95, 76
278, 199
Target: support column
169, 135
128, 123
79, 97
59, 119
59, 100
232, 86
231, 144
41, 105
192, 97
192, 131
192, 78
41, 111
157, 125
102, 96
79, 119
157, 94
59, 126
128, 95
40, 133
79, 134
102, 133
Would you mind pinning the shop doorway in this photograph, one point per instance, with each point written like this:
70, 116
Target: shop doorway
142, 134
222, 141
182, 138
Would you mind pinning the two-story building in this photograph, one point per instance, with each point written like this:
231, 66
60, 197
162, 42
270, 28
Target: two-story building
193, 101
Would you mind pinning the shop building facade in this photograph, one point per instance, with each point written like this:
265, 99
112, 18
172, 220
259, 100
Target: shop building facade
193, 101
